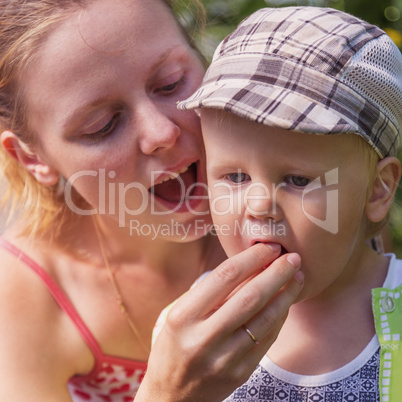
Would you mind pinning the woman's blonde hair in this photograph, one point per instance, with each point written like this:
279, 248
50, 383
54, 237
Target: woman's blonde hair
24, 25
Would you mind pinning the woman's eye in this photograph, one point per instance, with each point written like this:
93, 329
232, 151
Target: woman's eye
238, 177
170, 84
170, 87
298, 181
104, 131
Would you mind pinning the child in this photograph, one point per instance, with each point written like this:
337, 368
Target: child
301, 112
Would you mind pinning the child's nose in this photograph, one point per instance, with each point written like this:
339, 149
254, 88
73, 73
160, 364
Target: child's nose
262, 204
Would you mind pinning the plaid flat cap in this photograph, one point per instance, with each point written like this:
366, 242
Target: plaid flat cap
309, 69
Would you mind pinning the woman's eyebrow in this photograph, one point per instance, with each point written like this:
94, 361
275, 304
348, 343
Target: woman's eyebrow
164, 56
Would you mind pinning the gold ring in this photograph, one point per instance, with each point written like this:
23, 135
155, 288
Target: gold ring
254, 339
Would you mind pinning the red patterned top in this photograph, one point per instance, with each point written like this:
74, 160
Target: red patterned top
112, 379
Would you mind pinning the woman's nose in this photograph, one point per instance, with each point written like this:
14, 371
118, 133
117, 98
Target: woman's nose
158, 131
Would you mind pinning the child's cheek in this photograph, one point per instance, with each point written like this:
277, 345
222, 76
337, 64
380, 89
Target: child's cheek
320, 205
226, 213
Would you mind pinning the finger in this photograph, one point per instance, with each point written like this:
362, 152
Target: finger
211, 292
254, 353
263, 323
242, 355
248, 352
251, 298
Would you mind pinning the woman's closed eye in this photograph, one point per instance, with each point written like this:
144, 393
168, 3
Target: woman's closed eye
170, 84
104, 131
168, 89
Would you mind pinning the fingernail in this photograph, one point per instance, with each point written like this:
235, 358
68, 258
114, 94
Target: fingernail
294, 259
299, 277
274, 246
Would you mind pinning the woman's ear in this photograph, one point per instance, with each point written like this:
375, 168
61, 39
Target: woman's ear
43, 173
386, 181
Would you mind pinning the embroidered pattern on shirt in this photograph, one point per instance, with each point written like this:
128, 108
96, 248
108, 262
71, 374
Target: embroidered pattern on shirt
362, 386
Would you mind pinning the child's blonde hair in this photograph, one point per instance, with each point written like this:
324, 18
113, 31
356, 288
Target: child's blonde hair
371, 159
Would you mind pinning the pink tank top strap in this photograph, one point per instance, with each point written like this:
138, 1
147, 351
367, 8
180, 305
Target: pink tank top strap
60, 298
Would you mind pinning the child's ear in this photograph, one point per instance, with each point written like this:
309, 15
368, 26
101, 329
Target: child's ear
381, 197
43, 173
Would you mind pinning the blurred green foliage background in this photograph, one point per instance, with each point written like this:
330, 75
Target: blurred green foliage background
222, 17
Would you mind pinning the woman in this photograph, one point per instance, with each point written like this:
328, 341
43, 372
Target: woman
113, 214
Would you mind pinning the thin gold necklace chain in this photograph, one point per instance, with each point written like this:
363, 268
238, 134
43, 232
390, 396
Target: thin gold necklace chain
120, 301
119, 297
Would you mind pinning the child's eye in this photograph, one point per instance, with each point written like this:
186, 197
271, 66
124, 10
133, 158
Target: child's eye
238, 177
297, 181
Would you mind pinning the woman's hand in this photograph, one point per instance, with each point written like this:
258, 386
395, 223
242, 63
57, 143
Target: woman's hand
203, 352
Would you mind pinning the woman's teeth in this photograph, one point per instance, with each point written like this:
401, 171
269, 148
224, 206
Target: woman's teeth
174, 175
175, 187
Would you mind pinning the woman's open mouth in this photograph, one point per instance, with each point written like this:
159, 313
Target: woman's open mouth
176, 189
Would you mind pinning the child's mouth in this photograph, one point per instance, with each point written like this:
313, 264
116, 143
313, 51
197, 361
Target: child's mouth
283, 251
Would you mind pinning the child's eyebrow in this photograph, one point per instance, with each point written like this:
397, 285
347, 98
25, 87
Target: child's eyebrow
232, 164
